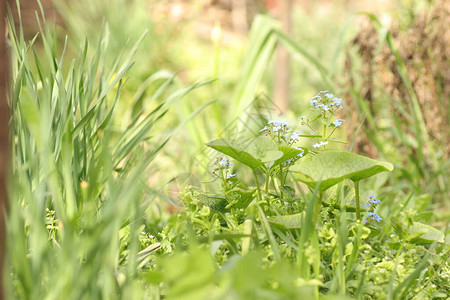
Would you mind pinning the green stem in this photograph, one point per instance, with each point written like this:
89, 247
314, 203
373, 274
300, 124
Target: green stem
267, 181
260, 198
269, 232
264, 221
358, 212
317, 207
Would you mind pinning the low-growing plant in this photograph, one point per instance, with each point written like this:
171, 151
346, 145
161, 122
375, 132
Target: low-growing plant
303, 214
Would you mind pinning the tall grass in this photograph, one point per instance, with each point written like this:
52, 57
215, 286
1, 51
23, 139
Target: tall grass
420, 158
79, 176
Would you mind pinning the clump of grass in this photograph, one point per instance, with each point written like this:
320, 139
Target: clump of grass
79, 178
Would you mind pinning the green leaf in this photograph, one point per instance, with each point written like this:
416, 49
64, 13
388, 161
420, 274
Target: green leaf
337, 141
241, 199
288, 153
253, 153
328, 168
287, 221
215, 202
425, 234
418, 233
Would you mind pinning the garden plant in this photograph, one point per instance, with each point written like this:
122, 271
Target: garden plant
283, 211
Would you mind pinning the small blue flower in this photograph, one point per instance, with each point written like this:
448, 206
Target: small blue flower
337, 100
313, 102
374, 216
264, 129
301, 153
338, 122
278, 125
231, 175
295, 136
224, 162
329, 95
318, 145
374, 200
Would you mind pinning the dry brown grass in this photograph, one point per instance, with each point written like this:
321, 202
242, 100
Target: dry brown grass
424, 48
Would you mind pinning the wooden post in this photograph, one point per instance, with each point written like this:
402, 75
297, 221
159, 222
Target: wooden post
4, 139
282, 68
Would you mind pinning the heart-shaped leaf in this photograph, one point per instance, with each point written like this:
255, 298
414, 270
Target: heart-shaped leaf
328, 168
253, 153
418, 233
287, 221
288, 153
426, 234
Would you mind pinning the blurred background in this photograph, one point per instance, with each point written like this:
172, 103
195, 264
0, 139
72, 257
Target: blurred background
388, 60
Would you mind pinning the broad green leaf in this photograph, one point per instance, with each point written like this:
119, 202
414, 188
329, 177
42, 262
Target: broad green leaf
328, 168
288, 153
288, 221
253, 153
425, 234
418, 233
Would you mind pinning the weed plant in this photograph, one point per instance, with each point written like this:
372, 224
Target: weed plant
303, 227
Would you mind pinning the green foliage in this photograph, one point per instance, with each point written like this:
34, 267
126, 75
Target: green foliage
283, 223
77, 197
328, 168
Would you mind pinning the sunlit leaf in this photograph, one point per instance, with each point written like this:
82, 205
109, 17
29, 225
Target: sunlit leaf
328, 168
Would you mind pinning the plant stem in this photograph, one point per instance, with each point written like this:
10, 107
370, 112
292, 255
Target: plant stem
260, 198
269, 232
358, 212
267, 181
317, 207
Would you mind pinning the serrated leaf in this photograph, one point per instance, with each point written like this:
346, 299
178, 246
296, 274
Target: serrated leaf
253, 153
328, 168
213, 201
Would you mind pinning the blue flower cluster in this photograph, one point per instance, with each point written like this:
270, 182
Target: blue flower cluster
374, 216
372, 204
280, 130
326, 104
222, 168
325, 101
338, 122
275, 126
320, 144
